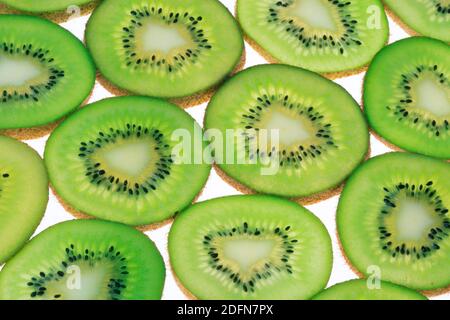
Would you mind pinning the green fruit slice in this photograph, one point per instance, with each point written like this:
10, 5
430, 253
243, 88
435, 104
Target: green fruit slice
428, 17
45, 72
23, 195
360, 290
319, 35
114, 160
164, 48
393, 215
85, 260
322, 135
407, 95
44, 5
250, 247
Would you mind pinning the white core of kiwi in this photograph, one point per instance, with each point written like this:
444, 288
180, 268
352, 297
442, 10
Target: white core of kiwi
157, 37
317, 14
432, 97
16, 72
130, 158
248, 252
413, 220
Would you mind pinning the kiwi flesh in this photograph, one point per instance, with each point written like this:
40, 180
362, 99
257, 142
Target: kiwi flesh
23, 195
45, 72
360, 290
393, 214
43, 6
407, 95
250, 247
322, 133
85, 260
115, 160
332, 37
430, 18
168, 49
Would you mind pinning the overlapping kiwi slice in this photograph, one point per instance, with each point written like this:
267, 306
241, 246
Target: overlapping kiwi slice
326, 36
364, 290
85, 260
114, 160
393, 215
23, 194
164, 48
407, 95
250, 247
44, 6
45, 72
428, 17
322, 135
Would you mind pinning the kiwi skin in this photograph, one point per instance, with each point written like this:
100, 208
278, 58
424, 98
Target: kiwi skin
57, 16
184, 102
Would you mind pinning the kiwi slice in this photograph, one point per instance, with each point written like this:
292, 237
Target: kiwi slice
45, 72
393, 214
85, 260
250, 247
321, 129
164, 48
113, 159
23, 194
360, 290
320, 35
428, 17
43, 6
407, 95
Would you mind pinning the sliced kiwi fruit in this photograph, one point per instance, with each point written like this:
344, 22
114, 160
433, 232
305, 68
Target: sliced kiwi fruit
115, 159
85, 260
45, 72
44, 6
407, 95
23, 194
325, 36
164, 48
322, 134
363, 289
250, 247
427, 17
393, 215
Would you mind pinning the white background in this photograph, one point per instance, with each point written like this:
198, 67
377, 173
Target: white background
216, 187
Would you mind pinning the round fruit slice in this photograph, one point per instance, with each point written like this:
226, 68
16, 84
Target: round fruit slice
287, 131
250, 247
117, 159
407, 95
45, 72
428, 17
319, 35
85, 260
393, 214
361, 290
23, 195
164, 48
44, 5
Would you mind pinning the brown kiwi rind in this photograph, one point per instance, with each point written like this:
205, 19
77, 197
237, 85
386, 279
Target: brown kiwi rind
184, 102
57, 16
